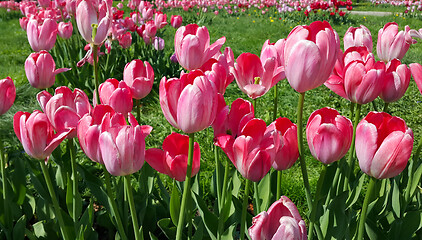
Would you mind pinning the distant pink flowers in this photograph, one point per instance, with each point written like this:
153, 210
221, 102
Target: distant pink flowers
7, 94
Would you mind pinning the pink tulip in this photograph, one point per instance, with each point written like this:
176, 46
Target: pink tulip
65, 108
416, 70
90, 13
36, 134
150, 29
125, 40
41, 71
310, 53
139, 77
274, 50
176, 21
44, 3
252, 151
71, 7
173, 159
357, 37
392, 43
192, 46
329, 135
396, 81
23, 22
287, 154
42, 37
281, 221
147, 14
190, 102
158, 43
123, 147
160, 20
383, 145
65, 30
117, 95
7, 94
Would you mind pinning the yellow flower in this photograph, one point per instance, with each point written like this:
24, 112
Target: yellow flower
272, 20
253, 21
237, 18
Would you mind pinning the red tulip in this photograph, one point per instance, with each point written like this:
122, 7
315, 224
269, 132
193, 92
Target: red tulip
42, 37
395, 82
7, 94
117, 95
287, 154
139, 76
176, 21
383, 145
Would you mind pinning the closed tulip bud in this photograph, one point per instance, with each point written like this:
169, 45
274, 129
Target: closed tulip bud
147, 14
173, 159
392, 43
160, 20
7, 94
176, 21
150, 29
395, 82
329, 135
287, 154
117, 95
158, 43
139, 77
42, 37
90, 14
357, 37
65, 30
383, 145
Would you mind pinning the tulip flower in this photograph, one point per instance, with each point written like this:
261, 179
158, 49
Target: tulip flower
89, 15
147, 14
150, 29
23, 22
176, 21
416, 70
125, 40
173, 159
392, 43
190, 102
329, 135
274, 50
192, 46
117, 95
139, 77
357, 37
7, 94
160, 20
36, 134
310, 53
44, 3
42, 37
281, 221
383, 145
71, 7
123, 147
395, 82
65, 30
287, 154
41, 71
65, 108
158, 43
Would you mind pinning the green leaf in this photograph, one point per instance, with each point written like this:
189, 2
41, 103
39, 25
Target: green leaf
237, 184
395, 199
19, 228
416, 180
229, 233
412, 222
19, 181
354, 195
146, 179
175, 205
209, 218
199, 233
39, 229
264, 191
152, 236
168, 229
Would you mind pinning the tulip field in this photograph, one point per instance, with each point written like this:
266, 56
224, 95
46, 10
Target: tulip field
225, 119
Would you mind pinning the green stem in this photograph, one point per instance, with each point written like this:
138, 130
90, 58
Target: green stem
138, 110
72, 149
317, 195
256, 196
4, 181
96, 80
223, 199
351, 162
113, 204
334, 185
385, 107
368, 196
218, 177
254, 105
275, 105
244, 210
129, 194
54, 199
186, 189
279, 181
301, 151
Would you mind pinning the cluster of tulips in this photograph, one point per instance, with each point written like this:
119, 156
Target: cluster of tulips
111, 136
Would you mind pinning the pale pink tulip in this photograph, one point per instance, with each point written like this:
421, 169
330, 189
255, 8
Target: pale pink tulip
139, 77
90, 13
65, 30
117, 95
416, 70
160, 20
7, 94
395, 82
392, 43
357, 37
42, 37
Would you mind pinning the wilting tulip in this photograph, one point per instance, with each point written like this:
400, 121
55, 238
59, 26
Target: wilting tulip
329, 135
123, 147
217, 69
90, 14
287, 154
357, 37
139, 77
252, 151
117, 95
42, 37
392, 43
281, 221
173, 159
190, 102
310, 54
36, 134
65, 108
65, 30
192, 46
416, 70
383, 145
176, 21
7, 94
395, 81
41, 71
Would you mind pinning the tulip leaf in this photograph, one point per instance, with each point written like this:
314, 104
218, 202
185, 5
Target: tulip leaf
39, 229
175, 205
412, 222
210, 219
18, 179
35, 180
354, 195
229, 233
373, 230
416, 180
168, 229
237, 184
264, 192
152, 236
146, 179
395, 199
19, 228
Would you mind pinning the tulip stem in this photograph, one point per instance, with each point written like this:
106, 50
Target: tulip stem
351, 161
95, 60
256, 196
279, 181
301, 151
218, 176
275, 105
186, 189
368, 196
244, 209
4, 181
129, 194
385, 107
72, 150
113, 204
223, 200
315, 203
54, 200
138, 110
254, 106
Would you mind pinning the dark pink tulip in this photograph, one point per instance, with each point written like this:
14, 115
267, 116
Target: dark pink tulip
357, 37
192, 46
65, 108
139, 77
147, 14
41, 71
190, 102
160, 20
117, 95
36, 134
23, 22
416, 70
123, 147
7, 94
65, 30
395, 82
44, 3
287, 154
173, 159
125, 40
90, 13
252, 151
383, 145
310, 53
329, 135
42, 37
281, 221
392, 43
150, 29
176, 21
